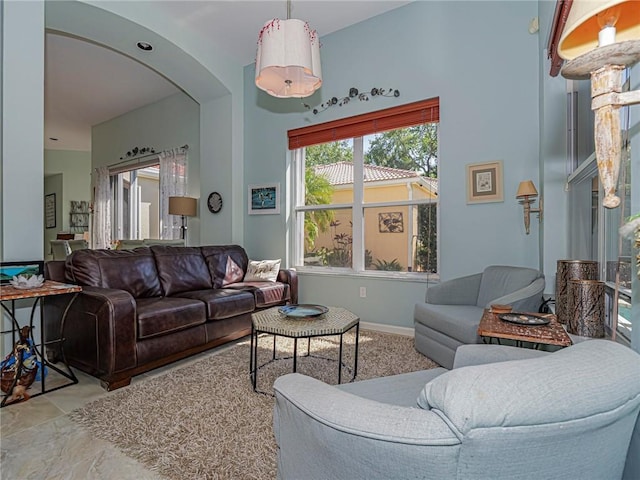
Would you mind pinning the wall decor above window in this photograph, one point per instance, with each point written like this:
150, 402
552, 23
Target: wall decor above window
355, 94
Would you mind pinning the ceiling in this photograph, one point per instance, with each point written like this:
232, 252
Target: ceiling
87, 84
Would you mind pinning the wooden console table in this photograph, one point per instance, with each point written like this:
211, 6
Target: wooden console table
551, 334
9, 295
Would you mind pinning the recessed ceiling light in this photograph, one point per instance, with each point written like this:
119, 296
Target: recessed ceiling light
147, 47
53, 138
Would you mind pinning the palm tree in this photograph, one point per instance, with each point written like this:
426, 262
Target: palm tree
318, 191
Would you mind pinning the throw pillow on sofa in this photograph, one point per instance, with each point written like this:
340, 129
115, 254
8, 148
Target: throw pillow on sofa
233, 273
262, 271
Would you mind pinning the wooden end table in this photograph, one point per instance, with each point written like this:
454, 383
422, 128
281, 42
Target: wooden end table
8, 296
337, 321
551, 334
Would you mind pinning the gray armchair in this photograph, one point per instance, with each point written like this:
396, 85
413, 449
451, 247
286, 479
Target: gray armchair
452, 310
501, 413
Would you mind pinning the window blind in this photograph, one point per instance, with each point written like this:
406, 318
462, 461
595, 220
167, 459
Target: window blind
416, 113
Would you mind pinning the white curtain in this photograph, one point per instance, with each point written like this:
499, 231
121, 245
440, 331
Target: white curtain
173, 183
101, 224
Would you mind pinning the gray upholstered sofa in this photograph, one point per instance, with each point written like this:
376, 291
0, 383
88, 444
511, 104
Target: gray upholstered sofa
450, 315
501, 413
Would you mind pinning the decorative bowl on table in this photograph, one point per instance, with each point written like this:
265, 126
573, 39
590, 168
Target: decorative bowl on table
524, 319
25, 282
303, 310
498, 309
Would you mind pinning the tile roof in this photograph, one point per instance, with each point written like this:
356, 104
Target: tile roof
341, 173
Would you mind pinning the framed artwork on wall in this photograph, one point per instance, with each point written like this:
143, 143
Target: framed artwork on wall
264, 199
390, 222
484, 182
50, 210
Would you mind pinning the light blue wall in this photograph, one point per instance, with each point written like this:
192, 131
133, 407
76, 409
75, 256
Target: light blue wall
206, 73
73, 169
487, 75
22, 134
169, 123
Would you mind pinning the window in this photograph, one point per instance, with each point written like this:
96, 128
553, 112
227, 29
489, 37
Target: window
136, 200
593, 232
366, 191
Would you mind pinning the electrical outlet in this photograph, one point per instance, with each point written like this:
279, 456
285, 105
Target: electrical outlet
363, 292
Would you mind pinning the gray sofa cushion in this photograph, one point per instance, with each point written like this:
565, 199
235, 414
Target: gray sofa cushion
456, 321
399, 389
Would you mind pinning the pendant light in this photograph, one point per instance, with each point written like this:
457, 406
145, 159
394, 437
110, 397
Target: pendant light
288, 58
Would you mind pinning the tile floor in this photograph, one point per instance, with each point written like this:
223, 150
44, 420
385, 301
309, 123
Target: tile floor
38, 440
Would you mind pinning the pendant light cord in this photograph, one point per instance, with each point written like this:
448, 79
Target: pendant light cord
288, 9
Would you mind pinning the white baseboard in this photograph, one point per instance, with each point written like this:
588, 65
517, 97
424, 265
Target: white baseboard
379, 327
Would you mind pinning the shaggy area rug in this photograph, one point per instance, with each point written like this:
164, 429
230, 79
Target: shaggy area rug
204, 421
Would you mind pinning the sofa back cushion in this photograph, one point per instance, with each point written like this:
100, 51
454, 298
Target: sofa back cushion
131, 270
181, 269
227, 263
500, 280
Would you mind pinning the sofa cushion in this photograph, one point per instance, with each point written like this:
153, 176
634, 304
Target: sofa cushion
223, 302
262, 271
401, 389
162, 315
602, 373
216, 258
181, 269
500, 280
233, 273
131, 270
456, 321
265, 293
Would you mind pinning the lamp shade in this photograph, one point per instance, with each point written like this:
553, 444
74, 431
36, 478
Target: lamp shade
580, 34
288, 59
182, 206
526, 189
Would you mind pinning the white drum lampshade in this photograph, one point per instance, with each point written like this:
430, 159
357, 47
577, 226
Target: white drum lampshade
288, 59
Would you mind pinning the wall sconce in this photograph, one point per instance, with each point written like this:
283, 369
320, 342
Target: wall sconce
527, 193
600, 39
185, 207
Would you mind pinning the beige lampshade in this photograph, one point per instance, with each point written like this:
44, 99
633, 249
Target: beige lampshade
526, 189
182, 206
580, 34
288, 59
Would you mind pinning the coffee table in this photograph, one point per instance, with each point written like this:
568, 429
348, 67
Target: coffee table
336, 321
551, 334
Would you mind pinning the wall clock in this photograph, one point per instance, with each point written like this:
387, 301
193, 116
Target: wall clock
214, 202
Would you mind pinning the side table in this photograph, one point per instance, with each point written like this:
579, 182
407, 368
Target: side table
551, 334
9, 295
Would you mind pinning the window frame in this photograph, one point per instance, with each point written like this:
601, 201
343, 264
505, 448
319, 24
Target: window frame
355, 128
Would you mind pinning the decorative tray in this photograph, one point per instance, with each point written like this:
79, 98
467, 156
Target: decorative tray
524, 319
303, 310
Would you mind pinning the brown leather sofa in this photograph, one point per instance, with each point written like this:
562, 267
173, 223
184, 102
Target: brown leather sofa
147, 307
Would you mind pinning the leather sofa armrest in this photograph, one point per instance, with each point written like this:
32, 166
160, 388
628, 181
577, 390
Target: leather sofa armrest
459, 291
290, 277
100, 330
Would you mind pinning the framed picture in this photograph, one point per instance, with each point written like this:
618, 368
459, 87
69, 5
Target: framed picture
50, 210
390, 222
264, 199
484, 182
8, 270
